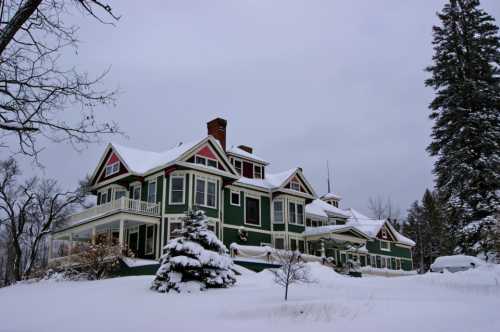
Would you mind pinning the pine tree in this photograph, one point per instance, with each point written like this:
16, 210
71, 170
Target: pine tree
466, 111
194, 261
414, 230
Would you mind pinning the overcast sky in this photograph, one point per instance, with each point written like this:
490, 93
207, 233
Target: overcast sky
302, 82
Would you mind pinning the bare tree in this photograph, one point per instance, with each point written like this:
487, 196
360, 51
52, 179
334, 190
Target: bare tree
35, 92
30, 210
383, 209
292, 269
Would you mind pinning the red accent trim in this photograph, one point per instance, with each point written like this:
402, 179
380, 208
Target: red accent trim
206, 152
170, 169
112, 159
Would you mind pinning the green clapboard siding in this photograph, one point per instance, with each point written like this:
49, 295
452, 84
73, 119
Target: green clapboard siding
254, 238
295, 228
396, 251
234, 215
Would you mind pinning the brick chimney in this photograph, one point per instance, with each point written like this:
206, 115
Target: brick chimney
246, 148
217, 128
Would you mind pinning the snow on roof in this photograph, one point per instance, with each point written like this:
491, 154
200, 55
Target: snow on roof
242, 153
321, 209
331, 196
372, 226
456, 261
271, 181
311, 231
141, 161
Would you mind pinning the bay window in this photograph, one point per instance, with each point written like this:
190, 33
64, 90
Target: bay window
206, 192
296, 213
278, 212
177, 189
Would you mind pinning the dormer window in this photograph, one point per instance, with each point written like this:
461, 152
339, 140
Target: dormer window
237, 166
206, 162
112, 168
295, 185
257, 171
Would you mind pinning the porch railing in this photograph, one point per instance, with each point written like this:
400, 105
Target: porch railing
122, 204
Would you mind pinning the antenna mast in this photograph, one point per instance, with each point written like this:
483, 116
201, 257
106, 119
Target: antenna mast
328, 171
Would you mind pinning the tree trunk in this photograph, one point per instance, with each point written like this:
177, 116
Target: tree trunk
286, 291
18, 254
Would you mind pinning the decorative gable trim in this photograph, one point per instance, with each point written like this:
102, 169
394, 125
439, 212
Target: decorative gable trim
385, 234
305, 186
109, 157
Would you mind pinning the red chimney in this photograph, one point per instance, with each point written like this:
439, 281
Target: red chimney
217, 128
246, 148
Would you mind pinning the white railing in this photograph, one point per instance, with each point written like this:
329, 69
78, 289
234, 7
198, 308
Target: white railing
122, 204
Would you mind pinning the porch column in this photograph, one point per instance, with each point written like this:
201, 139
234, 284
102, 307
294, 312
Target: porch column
323, 254
122, 230
93, 236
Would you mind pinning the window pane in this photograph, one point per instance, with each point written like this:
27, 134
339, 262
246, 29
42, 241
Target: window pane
200, 192
152, 192
200, 160
295, 185
212, 163
278, 212
252, 211
136, 193
300, 214
177, 190
293, 244
211, 194
237, 166
279, 243
258, 172
120, 193
235, 198
301, 246
291, 213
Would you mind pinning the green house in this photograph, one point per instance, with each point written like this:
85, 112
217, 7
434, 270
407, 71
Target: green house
141, 198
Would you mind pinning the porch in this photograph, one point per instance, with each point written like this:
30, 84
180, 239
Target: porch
131, 224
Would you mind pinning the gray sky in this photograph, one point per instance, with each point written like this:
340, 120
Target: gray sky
300, 81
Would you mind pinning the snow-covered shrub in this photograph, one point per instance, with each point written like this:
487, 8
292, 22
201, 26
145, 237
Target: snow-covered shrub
96, 261
194, 261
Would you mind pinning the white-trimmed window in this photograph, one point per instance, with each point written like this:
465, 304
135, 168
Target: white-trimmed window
278, 212
119, 193
296, 213
257, 171
235, 198
205, 192
150, 238
104, 197
385, 245
135, 192
206, 161
152, 191
112, 168
295, 185
177, 189
252, 210
279, 243
238, 166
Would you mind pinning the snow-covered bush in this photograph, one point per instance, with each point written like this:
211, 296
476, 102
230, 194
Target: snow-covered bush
196, 260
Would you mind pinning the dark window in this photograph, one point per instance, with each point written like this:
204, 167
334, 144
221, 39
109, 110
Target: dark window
293, 244
247, 170
237, 166
301, 246
235, 198
212, 163
150, 232
279, 243
300, 214
200, 160
252, 211
177, 190
291, 213
258, 172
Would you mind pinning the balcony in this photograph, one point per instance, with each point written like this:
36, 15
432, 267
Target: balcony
122, 204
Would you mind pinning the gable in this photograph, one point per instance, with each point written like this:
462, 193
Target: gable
385, 234
303, 188
211, 154
111, 158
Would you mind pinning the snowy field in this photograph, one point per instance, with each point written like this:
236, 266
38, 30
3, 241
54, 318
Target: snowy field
466, 301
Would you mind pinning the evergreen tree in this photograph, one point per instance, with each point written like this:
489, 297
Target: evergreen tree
413, 229
466, 111
194, 261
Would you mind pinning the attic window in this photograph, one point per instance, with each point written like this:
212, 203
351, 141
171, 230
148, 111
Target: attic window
237, 166
257, 171
112, 168
207, 162
295, 185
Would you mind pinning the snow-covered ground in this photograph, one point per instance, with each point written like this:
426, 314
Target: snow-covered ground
464, 301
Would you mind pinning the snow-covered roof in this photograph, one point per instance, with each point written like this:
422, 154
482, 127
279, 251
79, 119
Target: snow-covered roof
270, 181
322, 209
356, 220
331, 195
244, 154
141, 161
